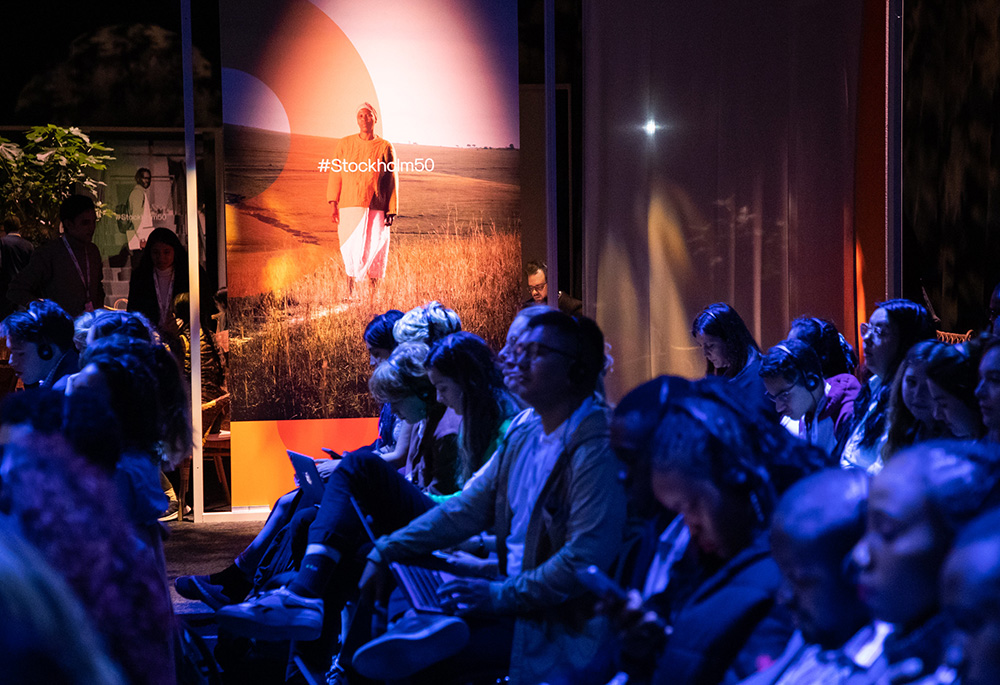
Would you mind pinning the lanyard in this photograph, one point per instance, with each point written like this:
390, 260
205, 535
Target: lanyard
88, 305
164, 296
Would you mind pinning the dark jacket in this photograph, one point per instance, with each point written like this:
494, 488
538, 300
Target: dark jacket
729, 624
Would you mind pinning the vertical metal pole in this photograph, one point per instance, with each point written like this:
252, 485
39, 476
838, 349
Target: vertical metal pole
191, 221
551, 217
894, 149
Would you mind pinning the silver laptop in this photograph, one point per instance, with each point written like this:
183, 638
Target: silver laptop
310, 483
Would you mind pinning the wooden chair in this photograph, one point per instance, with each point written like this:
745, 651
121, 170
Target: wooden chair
954, 338
214, 446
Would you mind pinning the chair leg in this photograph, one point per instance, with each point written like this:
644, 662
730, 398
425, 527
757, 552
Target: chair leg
185, 481
220, 471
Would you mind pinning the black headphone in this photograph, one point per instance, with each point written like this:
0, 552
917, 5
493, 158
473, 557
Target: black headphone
45, 352
741, 476
810, 381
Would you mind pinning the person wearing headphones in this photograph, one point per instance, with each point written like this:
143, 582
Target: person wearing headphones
41, 347
715, 463
817, 410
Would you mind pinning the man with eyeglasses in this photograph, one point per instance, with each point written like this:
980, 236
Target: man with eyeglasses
553, 496
815, 409
538, 286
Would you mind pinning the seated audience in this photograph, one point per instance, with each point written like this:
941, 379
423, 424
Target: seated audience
916, 505
437, 466
720, 467
994, 312
427, 324
815, 408
731, 352
893, 328
835, 353
71, 511
988, 390
911, 409
952, 376
557, 460
970, 596
815, 527
45, 634
232, 584
41, 346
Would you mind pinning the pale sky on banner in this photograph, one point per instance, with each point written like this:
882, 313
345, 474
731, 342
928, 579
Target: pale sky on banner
445, 70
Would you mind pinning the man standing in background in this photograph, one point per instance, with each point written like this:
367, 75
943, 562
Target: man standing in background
362, 192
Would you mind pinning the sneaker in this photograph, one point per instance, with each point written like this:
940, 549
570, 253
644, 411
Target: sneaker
276, 615
202, 589
415, 642
173, 510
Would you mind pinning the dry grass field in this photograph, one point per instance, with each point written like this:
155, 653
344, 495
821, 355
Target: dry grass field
295, 335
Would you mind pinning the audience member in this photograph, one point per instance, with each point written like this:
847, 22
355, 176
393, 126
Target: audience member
916, 505
720, 467
911, 410
234, 583
894, 327
15, 252
952, 376
427, 324
731, 352
67, 508
835, 353
66, 270
555, 461
815, 527
988, 390
538, 286
970, 595
45, 635
817, 409
40, 341
433, 465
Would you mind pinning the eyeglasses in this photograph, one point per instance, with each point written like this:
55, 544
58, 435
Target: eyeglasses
781, 396
537, 288
530, 351
878, 331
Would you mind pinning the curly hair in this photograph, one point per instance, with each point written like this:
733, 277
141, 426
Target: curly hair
148, 394
69, 510
427, 324
403, 375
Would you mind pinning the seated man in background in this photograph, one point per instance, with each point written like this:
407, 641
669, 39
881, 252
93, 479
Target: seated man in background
815, 527
818, 410
538, 286
41, 346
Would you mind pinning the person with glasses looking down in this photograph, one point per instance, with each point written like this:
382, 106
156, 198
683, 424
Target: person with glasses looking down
814, 408
538, 285
893, 328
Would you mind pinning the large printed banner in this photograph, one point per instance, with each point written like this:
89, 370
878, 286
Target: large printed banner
371, 163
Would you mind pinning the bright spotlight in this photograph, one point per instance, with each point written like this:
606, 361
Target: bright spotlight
650, 127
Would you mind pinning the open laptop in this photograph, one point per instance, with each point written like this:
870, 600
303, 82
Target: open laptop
420, 584
308, 476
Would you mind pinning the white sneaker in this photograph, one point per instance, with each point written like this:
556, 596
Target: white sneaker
276, 615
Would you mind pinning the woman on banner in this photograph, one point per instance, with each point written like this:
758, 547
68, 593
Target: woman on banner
362, 192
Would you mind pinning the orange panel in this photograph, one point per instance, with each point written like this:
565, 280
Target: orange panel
261, 471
